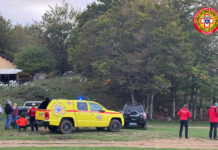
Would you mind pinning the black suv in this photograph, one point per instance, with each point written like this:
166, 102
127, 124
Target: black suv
134, 115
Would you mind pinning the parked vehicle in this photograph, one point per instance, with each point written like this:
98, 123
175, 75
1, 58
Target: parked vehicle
64, 115
134, 115
23, 110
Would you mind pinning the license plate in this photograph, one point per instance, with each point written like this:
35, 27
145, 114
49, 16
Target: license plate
133, 124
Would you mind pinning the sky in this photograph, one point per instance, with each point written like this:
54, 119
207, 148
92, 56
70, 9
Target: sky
25, 11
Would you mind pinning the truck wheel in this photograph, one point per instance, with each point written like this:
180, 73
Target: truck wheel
115, 125
66, 127
100, 128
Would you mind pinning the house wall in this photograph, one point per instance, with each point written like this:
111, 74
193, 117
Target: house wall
4, 63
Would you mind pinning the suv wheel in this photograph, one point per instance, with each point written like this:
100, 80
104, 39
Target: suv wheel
66, 127
115, 125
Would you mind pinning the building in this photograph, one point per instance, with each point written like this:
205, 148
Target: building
9, 71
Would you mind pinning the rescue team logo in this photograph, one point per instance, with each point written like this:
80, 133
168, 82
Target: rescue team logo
99, 117
206, 20
58, 110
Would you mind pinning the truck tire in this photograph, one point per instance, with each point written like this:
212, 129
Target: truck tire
115, 125
66, 126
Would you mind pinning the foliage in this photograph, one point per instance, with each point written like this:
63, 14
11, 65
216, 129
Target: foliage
57, 25
5, 37
33, 59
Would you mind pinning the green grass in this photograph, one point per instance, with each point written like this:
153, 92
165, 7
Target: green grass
156, 130
86, 148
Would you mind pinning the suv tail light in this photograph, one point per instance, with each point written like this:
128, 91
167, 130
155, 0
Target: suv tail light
46, 115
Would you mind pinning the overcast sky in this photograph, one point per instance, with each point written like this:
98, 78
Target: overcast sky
25, 11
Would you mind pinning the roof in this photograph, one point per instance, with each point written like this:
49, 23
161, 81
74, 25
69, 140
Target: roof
9, 71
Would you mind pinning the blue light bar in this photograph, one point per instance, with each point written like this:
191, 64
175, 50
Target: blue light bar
80, 98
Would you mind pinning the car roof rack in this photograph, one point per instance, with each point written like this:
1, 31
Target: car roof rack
130, 103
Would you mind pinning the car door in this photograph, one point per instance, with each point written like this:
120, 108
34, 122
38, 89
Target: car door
83, 115
98, 115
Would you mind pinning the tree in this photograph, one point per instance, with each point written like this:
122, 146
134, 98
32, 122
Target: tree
144, 48
57, 25
33, 59
5, 37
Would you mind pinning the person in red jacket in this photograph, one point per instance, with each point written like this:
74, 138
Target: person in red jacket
213, 116
22, 123
32, 114
184, 115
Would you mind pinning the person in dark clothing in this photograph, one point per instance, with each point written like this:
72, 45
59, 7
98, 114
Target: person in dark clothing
213, 116
32, 114
8, 110
184, 115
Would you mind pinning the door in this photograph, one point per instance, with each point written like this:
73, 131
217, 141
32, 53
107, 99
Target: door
83, 115
99, 115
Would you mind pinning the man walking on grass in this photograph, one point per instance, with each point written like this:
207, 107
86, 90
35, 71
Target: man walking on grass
213, 116
184, 115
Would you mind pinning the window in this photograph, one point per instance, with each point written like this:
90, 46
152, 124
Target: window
95, 107
82, 106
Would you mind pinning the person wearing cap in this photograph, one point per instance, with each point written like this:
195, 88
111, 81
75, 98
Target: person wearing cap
14, 116
32, 114
8, 110
184, 115
213, 117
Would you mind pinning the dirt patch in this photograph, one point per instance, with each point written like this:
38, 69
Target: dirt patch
191, 143
199, 127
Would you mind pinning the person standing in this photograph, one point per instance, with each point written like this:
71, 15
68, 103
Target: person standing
8, 111
184, 115
213, 117
1, 112
32, 114
14, 116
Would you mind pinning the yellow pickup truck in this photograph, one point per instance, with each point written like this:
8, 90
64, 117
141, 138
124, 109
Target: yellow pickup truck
64, 115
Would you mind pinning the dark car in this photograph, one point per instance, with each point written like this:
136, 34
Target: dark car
134, 116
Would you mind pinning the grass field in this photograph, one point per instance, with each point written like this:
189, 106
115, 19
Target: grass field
156, 130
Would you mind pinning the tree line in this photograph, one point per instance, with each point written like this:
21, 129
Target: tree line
139, 49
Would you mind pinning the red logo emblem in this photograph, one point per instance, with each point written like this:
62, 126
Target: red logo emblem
206, 20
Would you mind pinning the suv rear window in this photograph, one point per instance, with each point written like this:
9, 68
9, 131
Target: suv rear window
82, 106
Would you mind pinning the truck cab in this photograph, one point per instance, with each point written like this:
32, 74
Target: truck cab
68, 114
